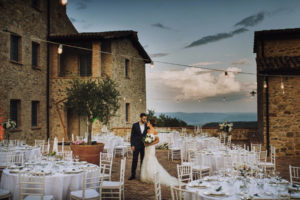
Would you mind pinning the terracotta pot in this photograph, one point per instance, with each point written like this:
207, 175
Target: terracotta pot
89, 153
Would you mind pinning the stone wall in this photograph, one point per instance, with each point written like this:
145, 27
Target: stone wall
19, 80
238, 134
284, 108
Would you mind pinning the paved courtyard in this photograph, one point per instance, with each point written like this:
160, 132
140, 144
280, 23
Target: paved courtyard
136, 190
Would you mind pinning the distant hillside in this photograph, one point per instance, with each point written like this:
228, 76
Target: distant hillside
203, 118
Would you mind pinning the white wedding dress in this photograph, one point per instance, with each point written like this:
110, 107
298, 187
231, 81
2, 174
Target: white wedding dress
151, 165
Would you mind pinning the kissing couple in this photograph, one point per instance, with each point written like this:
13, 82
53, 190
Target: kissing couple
149, 162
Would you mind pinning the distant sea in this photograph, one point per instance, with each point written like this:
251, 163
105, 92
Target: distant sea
199, 119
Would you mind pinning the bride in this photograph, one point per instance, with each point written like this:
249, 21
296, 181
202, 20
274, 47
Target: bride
151, 165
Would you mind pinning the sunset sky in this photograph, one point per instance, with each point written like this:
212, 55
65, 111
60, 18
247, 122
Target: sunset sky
213, 33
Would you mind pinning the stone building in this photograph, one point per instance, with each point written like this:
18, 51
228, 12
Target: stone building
24, 63
32, 73
116, 54
278, 80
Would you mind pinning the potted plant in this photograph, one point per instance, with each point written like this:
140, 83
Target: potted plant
8, 126
93, 99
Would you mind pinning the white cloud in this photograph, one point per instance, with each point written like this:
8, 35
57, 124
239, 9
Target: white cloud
196, 84
243, 61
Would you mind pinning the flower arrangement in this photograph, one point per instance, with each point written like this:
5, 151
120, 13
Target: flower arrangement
79, 142
149, 139
8, 126
246, 171
226, 127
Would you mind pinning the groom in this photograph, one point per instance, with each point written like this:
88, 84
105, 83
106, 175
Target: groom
138, 131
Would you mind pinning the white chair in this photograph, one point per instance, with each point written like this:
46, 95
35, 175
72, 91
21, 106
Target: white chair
157, 188
105, 163
174, 152
180, 194
294, 174
16, 159
222, 138
185, 174
270, 166
40, 144
5, 194
262, 159
32, 187
120, 150
200, 168
115, 189
91, 186
256, 147
227, 162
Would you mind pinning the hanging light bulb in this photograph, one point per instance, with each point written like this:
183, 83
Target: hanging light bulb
151, 65
124, 98
253, 93
226, 73
265, 84
60, 49
282, 86
64, 2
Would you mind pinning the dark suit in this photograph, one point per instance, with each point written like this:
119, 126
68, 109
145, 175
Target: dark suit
136, 140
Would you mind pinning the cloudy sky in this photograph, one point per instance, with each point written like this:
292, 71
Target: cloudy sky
215, 34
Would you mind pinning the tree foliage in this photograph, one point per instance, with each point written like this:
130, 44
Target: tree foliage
165, 121
94, 99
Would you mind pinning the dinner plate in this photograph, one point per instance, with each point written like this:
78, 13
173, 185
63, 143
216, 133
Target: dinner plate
72, 171
199, 185
216, 194
37, 173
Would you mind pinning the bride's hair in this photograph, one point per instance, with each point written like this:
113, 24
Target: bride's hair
152, 122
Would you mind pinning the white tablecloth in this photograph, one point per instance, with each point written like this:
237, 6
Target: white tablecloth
257, 188
59, 185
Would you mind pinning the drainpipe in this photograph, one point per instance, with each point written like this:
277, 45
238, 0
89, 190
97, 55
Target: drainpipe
48, 69
267, 116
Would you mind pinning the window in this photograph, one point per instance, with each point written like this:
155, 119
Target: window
127, 68
36, 4
15, 54
15, 111
34, 113
85, 65
35, 54
127, 112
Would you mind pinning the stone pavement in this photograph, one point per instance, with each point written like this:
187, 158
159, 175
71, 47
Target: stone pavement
136, 190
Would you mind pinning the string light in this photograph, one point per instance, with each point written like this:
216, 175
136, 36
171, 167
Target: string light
64, 2
253, 93
265, 84
60, 49
282, 85
226, 73
151, 65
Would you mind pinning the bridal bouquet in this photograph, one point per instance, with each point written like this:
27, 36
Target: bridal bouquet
226, 127
149, 139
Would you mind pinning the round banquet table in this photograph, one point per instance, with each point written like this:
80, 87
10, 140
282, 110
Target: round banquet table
58, 184
235, 188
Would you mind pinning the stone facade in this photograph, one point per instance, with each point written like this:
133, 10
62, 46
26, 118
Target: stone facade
20, 80
278, 54
132, 88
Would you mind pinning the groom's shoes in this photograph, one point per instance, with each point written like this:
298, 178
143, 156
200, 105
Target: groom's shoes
131, 178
